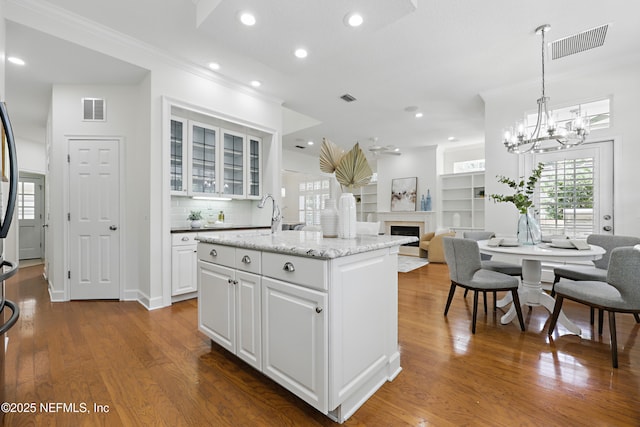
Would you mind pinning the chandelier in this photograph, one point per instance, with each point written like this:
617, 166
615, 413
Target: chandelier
547, 134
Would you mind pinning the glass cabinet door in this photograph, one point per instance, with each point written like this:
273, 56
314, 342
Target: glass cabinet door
233, 164
178, 166
254, 167
203, 158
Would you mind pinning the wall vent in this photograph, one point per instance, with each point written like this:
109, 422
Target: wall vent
347, 98
579, 42
93, 109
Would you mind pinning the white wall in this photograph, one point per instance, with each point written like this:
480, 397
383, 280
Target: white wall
463, 153
503, 107
418, 162
31, 156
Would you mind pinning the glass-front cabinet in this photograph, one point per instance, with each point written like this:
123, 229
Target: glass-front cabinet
179, 153
234, 164
212, 161
254, 167
204, 143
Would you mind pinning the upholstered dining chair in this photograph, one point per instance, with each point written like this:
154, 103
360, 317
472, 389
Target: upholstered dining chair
465, 270
508, 268
597, 271
619, 294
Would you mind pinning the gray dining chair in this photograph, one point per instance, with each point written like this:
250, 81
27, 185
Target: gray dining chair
488, 263
620, 293
597, 271
465, 270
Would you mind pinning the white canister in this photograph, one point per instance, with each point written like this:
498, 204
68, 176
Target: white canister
329, 219
347, 216
456, 219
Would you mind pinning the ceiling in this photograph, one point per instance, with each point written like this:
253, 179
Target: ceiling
436, 57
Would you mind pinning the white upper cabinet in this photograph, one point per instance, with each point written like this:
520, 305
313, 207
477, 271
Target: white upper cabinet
207, 160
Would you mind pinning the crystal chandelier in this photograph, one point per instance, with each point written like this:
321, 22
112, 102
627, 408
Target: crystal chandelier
547, 134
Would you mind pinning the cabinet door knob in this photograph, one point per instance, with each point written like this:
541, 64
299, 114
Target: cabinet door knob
185, 239
246, 259
318, 309
289, 267
213, 252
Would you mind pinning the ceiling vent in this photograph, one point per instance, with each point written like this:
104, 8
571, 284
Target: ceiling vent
579, 42
93, 109
347, 98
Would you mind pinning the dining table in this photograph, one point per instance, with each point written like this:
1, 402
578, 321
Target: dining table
531, 258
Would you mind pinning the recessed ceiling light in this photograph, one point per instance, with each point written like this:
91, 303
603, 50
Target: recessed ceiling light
301, 53
418, 115
247, 19
452, 138
309, 142
256, 83
15, 60
353, 19
214, 66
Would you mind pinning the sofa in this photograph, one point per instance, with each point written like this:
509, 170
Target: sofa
431, 246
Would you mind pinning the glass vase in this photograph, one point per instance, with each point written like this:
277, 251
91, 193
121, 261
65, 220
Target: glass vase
528, 229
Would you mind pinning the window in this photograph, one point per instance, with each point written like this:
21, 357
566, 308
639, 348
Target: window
566, 197
313, 194
26, 200
468, 166
597, 112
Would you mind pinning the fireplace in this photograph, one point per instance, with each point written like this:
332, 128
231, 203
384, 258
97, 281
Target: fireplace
406, 230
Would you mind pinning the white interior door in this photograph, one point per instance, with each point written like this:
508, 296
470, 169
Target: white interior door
30, 217
94, 212
585, 185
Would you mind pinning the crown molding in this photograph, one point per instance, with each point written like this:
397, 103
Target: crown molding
57, 21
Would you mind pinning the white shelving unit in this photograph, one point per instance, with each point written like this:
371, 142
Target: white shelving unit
462, 201
368, 203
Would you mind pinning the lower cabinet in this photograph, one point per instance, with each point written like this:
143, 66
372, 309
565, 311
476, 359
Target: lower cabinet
295, 338
184, 261
229, 310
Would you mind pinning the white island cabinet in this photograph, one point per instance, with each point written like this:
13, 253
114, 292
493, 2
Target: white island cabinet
326, 317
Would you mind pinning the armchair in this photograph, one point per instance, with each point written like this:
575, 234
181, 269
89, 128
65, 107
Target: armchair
434, 246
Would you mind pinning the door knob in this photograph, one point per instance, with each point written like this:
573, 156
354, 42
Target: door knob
113, 227
607, 217
607, 228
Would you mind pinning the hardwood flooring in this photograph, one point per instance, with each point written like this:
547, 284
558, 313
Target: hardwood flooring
155, 368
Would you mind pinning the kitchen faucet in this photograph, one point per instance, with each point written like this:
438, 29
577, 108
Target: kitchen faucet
276, 216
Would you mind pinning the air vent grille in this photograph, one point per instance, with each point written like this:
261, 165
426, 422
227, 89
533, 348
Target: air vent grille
347, 98
579, 42
93, 109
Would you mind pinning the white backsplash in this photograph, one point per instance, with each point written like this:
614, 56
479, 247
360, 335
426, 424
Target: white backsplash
238, 212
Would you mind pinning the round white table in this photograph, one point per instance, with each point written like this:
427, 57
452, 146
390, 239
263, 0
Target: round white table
531, 257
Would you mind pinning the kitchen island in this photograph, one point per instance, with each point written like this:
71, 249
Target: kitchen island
317, 315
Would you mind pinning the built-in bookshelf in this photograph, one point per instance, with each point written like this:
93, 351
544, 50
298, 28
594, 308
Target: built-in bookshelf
462, 201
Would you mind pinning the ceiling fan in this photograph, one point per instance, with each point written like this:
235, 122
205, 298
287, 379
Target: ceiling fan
376, 149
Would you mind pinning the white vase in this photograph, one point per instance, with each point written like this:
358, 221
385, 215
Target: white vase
347, 216
329, 219
196, 223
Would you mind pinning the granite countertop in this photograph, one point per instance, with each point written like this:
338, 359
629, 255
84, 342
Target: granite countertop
218, 227
306, 243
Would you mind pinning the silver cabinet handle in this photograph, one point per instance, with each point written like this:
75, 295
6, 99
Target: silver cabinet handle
213, 252
318, 309
113, 227
289, 267
185, 239
246, 259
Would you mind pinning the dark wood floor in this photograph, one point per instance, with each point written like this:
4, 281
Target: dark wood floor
155, 368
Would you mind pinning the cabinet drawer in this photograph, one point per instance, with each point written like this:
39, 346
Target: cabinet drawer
217, 254
307, 272
248, 260
183, 239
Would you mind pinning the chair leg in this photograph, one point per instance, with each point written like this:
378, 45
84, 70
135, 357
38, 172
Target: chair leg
516, 301
591, 317
484, 295
452, 291
637, 316
466, 291
495, 302
556, 313
556, 279
475, 311
614, 340
600, 320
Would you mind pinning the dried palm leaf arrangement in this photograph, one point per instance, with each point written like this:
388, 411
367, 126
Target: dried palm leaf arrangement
352, 169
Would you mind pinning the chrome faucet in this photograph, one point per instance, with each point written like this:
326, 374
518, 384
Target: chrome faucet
276, 216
